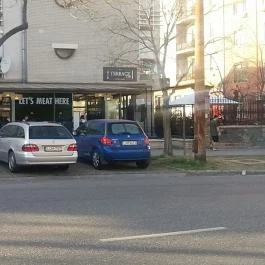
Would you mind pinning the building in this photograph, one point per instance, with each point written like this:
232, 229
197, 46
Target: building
68, 63
234, 44
234, 40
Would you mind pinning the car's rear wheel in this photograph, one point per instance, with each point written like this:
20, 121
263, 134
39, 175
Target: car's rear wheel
142, 164
96, 160
12, 163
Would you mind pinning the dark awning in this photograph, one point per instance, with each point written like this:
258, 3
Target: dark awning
127, 88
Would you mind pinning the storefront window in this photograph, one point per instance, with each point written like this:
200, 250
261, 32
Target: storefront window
45, 107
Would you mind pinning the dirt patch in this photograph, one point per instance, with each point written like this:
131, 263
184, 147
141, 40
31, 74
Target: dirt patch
236, 163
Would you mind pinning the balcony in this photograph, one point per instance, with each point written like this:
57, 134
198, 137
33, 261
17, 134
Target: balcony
186, 79
187, 17
185, 48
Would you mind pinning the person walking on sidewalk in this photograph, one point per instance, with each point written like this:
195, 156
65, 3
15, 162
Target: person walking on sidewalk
214, 132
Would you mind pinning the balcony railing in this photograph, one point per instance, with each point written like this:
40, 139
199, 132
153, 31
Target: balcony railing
185, 45
186, 15
186, 77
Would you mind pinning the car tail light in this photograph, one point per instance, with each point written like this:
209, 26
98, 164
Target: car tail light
72, 148
105, 140
30, 148
146, 141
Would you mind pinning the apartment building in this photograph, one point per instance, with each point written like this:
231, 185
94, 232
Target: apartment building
69, 62
234, 46
234, 40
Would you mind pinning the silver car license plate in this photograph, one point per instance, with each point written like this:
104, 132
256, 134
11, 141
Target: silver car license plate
52, 148
129, 143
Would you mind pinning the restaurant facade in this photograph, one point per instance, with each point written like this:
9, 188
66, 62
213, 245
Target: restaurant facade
61, 68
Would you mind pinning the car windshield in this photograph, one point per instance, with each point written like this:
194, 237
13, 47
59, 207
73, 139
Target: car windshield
124, 128
49, 132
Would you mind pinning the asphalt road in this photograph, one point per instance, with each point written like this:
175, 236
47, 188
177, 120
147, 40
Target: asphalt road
132, 219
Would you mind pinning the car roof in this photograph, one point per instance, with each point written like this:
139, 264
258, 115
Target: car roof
34, 123
112, 120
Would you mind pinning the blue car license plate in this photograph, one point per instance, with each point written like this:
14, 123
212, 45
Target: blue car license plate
129, 142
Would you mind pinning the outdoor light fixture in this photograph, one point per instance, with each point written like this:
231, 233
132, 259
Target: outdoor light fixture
63, 3
63, 50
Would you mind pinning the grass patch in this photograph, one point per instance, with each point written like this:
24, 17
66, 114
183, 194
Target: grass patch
178, 162
213, 163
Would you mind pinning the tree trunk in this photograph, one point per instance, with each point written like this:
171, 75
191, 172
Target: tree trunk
166, 125
199, 114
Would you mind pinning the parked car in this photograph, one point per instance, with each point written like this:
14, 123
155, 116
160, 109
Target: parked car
36, 143
106, 140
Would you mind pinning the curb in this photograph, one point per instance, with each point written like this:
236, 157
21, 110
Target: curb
114, 174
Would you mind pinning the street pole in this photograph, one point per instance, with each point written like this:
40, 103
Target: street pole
200, 92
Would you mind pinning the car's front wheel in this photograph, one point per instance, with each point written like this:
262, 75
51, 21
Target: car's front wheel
96, 160
12, 163
142, 164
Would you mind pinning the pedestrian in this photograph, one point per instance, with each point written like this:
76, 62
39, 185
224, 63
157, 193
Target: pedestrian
82, 120
60, 118
6, 120
26, 118
214, 132
82, 129
32, 116
130, 111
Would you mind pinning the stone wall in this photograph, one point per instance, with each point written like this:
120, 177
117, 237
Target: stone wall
230, 136
247, 135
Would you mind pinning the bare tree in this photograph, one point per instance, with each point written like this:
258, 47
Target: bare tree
142, 35
260, 73
147, 33
19, 28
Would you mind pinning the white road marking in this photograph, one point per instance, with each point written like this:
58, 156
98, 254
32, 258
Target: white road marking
164, 234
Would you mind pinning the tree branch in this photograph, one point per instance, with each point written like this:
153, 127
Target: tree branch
17, 29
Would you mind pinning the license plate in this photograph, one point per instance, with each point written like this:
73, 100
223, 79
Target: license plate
129, 143
53, 148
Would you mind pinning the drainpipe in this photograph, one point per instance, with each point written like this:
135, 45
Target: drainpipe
24, 58
24, 54
1, 27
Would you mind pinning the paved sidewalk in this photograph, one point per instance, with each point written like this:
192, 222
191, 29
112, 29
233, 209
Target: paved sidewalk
250, 159
255, 151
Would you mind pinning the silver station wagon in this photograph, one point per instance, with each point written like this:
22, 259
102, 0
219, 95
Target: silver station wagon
36, 143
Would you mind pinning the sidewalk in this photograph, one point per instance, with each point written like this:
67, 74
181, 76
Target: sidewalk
229, 161
254, 151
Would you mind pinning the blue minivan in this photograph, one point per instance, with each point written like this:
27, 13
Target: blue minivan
107, 140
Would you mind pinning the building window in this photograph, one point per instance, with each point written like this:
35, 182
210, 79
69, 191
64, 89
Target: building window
240, 72
240, 8
190, 36
190, 4
239, 38
191, 61
148, 17
264, 32
147, 68
211, 31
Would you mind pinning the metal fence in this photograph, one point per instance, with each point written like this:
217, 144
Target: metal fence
246, 111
